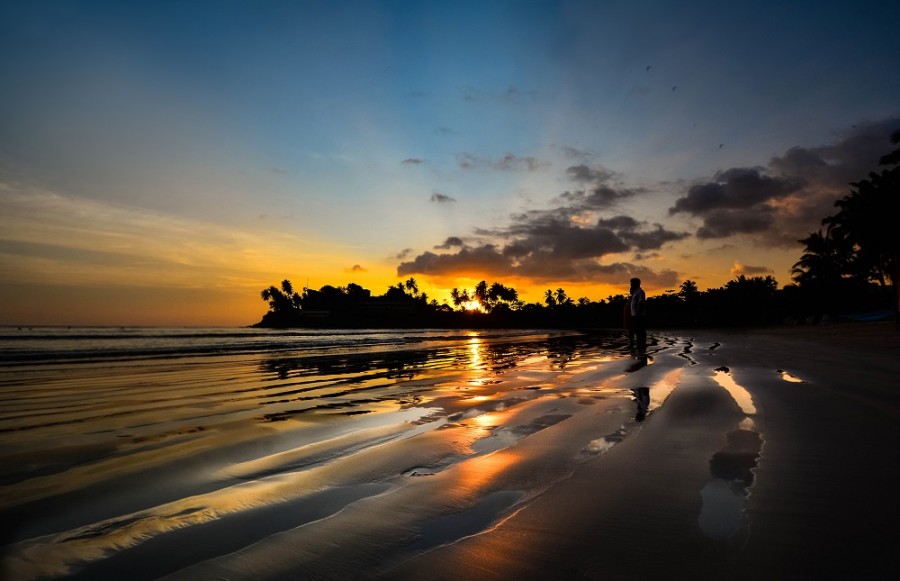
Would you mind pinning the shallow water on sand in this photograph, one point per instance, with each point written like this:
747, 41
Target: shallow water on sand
293, 452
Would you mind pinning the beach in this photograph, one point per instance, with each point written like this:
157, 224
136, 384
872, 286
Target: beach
739, 454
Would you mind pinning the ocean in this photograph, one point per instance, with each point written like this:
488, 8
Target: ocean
120, 444
24, 345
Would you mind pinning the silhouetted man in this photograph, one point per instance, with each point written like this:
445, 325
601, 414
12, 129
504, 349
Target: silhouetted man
638, 302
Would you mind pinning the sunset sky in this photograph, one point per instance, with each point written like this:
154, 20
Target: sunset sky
162, 162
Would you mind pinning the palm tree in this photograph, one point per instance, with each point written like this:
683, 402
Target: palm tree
481, 295
412, 287
688, 289
823, 263
282, 299
460, 298
549, 298
867, 222
562, 298
499, 293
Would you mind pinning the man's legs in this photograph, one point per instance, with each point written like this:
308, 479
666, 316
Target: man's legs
640, 330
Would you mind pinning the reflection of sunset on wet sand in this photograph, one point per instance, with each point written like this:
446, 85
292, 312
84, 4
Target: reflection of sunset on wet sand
515, 454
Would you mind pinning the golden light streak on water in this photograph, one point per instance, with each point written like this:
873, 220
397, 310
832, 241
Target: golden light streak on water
788, 377
474, 344
740, 395
476, 473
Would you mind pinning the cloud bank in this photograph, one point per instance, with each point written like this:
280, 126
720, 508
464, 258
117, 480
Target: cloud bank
773, 205
566, 242
784, 201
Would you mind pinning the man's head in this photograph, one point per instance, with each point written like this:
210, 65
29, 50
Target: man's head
635, 283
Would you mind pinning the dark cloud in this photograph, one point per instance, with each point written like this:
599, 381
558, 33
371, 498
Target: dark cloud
828, 172
737, 201
624, 223
451, 242
848, 160
585, 174
441, 198
489, 261
597, 198
600, 194
357, 268
783, 202
651, 239
546, 246
826, 179
413, 161
722, 223
735, 188
485, 259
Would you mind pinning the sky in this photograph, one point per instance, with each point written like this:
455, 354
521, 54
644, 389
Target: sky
163, 162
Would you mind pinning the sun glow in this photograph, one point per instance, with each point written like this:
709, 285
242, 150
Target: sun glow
472, 306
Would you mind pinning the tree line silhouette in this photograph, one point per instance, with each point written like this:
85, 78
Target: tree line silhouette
851, 267
859, 246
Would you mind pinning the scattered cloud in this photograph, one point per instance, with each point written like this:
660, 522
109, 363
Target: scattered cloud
599, 192
413, 161
570, 152
451, 242
596, 198
441, 198
584, 174
509, 162
357, 268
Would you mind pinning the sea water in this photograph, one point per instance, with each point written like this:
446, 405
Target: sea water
21, 345
118, 445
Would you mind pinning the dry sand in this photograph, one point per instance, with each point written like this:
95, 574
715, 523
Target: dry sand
763, 454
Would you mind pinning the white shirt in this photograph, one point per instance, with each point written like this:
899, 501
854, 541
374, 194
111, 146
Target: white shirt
638, 297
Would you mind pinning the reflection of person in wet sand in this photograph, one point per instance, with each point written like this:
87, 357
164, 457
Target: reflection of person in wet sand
638, 303
642, 398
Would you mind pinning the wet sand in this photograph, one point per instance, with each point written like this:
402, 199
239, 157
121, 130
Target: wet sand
767, 454
821, 503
